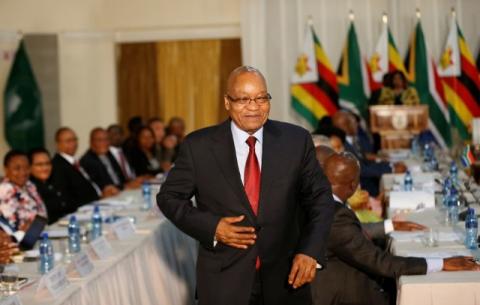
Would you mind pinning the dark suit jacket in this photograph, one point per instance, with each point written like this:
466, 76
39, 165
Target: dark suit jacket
376, 230
354, 264
291, 183
55, 202
370, 171
140, 163
97, 171
65, 178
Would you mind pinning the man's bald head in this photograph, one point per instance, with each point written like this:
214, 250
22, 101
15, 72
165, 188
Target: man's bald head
241, 71
343, 172
247, 100
345, 121
322, 152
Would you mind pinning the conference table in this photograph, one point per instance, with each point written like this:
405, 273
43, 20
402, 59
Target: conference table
154, 266
438, 288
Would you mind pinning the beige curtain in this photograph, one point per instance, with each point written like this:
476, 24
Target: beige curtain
137, 81
188, 81
176, 78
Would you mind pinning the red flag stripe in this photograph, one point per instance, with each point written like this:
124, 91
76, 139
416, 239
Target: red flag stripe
321, 97
329, 77
470, 70
464, 94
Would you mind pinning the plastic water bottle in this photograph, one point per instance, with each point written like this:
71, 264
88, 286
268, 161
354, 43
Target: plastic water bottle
147, 196
454, 173
471, 229
415, 146
408, 182
447, 185
47, 257
427, 153
452, 211
96, 223
73, 235
434, 164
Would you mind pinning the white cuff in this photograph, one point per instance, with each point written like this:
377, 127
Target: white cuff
434, 264
319, 266
215, 242
19, 235
388, 223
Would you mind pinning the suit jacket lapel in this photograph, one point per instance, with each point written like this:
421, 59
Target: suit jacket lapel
224, 153
270, 160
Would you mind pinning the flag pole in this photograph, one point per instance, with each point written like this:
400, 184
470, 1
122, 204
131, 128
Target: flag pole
310, 20
418, 14
385, 17
351, 15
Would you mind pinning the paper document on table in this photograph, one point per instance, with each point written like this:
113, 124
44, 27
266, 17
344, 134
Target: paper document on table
418, 236
414, 200
440, 254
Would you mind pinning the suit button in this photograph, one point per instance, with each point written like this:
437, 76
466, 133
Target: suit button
258, 228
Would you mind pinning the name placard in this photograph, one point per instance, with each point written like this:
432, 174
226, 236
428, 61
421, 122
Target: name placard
11, 300
101, 247
55, 281
123, 228
83, 264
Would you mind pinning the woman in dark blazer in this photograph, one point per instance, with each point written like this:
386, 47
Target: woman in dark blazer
142, 157
41, 169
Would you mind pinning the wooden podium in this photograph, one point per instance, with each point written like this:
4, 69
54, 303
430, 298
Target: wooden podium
397, 125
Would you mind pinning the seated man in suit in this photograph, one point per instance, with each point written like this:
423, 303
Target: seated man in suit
101, 165
115, 137
377, 229
353, 260
68, 176
371, 170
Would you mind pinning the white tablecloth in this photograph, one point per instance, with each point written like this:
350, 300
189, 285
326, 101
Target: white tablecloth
156, 266
440, 288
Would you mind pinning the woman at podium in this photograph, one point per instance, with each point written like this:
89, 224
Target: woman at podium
396, 91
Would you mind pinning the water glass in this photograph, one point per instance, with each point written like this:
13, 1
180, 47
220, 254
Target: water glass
430, 238
9, 280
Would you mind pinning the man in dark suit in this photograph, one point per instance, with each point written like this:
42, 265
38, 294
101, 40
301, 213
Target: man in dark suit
354, 262
67, 174
101, 165
372, 169
251, 178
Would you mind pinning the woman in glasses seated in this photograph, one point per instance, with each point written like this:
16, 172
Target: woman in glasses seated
40, 175
19, 199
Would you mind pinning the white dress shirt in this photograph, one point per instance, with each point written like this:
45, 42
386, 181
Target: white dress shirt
433, 264
116, 151
72, 161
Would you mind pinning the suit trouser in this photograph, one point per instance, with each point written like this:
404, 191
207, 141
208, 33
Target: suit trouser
256, 296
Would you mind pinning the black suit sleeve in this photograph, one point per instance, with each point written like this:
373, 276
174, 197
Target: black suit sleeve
174, 200
375, 230
317, 201
349, 243
62, 182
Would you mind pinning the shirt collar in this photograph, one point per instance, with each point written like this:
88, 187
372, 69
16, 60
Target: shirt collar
70, 159
335, 197
241, 135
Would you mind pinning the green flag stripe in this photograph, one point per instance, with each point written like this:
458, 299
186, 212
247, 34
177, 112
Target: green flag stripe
304, 112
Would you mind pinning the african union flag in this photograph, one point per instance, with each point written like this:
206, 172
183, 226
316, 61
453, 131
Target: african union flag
314, 88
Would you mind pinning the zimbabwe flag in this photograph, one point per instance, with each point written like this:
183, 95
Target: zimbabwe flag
314, 90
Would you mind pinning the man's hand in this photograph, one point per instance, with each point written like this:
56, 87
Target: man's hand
109, 191
303, 270
399, 168
458, 263
233, 235
407, 226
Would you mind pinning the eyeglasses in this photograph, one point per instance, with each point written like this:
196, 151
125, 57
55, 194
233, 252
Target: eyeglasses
261, 100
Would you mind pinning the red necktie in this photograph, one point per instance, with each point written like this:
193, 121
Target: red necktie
123, 165
252, 180
76, 164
